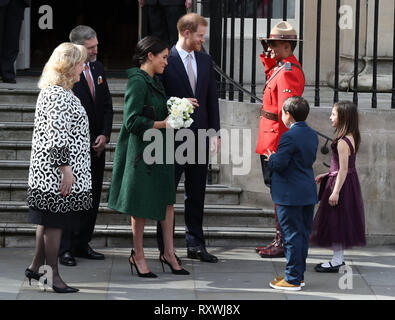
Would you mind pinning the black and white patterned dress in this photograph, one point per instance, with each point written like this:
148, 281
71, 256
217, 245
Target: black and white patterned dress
60, 137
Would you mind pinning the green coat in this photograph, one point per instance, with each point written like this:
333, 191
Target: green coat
139, 189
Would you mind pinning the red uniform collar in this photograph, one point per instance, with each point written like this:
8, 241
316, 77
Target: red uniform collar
291, 59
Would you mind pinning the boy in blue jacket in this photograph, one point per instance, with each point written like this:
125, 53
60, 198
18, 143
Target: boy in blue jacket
294, 190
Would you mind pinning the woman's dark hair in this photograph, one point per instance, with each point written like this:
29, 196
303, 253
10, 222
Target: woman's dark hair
348, 121
298, 107
145, 46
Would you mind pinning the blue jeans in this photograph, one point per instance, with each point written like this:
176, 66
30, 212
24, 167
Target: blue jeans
296, 224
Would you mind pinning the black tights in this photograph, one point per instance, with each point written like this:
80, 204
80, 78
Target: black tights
47, 250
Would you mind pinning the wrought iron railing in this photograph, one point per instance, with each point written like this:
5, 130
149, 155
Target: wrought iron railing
221, 12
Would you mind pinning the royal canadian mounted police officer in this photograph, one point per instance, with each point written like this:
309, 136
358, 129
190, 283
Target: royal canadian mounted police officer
284, 79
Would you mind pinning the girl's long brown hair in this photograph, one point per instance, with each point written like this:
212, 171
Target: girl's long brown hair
348, 121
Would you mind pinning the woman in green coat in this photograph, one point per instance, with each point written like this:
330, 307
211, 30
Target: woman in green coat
142, 190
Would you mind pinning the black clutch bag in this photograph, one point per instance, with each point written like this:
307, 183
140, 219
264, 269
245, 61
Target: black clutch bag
149, 112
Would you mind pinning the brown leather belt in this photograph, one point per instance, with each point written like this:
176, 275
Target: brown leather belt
269, 115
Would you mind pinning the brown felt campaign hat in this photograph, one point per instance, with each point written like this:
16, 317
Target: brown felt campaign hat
283, 31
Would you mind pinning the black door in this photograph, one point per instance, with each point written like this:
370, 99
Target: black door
116, 24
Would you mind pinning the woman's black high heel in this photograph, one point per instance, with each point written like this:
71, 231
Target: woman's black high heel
141, 275
34, 275
37, 276
181, 272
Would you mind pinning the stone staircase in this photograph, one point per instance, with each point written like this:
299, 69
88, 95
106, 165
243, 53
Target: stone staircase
226, 222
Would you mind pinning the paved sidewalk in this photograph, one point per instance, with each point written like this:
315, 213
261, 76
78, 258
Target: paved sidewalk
240, 275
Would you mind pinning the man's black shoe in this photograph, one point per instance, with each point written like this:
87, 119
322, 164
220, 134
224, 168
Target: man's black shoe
201, 254
67, 259
88, 253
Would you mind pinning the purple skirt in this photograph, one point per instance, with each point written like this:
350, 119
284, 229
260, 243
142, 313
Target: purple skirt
344, 224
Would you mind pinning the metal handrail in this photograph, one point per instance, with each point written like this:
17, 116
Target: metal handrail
239, 87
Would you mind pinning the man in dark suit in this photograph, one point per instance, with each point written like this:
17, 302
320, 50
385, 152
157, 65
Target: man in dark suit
95, 96
294, 190
190, 74
11, 17
163, 16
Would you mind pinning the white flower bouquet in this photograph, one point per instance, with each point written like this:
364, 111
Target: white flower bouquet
180, 111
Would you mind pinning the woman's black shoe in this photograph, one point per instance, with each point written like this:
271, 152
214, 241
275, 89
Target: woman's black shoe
65, 290
331, 269
141, 275
162, 260
33, 275
177, 258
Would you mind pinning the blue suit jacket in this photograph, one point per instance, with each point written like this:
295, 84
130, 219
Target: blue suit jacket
176, 83
293, 182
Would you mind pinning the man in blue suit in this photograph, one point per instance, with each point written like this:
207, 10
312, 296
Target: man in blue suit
190, 74
294, 190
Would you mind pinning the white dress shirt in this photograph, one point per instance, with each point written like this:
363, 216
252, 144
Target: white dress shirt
184, 57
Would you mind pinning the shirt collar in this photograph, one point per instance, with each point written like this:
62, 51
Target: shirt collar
183, 54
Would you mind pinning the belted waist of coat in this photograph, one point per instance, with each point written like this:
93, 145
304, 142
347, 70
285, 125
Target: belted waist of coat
269, 115
335, 173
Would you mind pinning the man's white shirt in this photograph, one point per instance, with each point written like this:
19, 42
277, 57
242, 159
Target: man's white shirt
184, 57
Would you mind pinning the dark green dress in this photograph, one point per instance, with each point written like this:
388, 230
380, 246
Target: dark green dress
139, 189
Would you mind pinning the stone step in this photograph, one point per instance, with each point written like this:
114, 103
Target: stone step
15, 190
19, 170
25, 113
214, 215
28, 95
21, 150
120, 236
23, 131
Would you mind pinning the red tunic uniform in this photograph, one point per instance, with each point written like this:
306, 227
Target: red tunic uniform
285, 79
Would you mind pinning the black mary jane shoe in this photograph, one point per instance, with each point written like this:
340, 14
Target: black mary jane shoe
331, 269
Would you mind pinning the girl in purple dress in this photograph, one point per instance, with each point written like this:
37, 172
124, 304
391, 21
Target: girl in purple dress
340, 222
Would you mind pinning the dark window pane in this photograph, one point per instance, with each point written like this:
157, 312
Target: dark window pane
262, 12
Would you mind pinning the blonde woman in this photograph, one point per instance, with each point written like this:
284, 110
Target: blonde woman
59, 176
